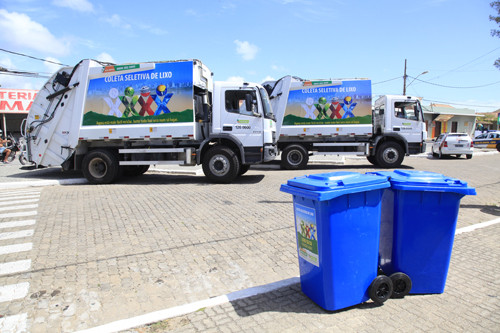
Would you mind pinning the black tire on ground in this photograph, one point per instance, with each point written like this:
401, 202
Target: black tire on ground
380, 289
244, 168
221, 165
294, 157
498, 147
389, 155
134, 170
401, 285
23, 159
100, 166
372, 159
11, 157
469, 156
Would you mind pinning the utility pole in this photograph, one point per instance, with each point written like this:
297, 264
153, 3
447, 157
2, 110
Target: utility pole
404, 81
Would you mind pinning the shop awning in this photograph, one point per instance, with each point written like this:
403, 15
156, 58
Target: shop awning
444, 117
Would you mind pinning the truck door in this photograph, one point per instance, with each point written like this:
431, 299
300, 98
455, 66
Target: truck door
243, 118
407, 120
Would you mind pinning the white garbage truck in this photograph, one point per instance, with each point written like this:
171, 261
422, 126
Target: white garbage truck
117, 120
336, 117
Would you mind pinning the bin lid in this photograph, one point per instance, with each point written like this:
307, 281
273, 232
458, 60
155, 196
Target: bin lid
325, 186
415, 180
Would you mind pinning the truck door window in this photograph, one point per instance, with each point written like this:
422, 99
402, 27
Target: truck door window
406, 110
235, 102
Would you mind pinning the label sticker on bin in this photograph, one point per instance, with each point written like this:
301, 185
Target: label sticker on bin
306, 226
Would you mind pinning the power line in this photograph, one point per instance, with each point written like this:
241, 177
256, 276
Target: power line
399, 77
455, 87
472, 105
28, 56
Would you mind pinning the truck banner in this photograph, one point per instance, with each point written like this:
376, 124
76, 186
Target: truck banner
326, 102
160, 95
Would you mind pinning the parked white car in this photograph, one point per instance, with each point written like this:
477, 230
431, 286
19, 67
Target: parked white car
453, 144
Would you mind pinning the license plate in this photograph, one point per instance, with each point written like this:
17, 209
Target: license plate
459, 145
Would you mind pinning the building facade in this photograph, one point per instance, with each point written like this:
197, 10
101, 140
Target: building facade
441, 118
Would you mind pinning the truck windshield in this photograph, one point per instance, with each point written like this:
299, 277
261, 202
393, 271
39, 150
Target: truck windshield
268, 111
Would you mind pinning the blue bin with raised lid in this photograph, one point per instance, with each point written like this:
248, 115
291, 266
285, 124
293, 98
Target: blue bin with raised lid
337, 225
419, 217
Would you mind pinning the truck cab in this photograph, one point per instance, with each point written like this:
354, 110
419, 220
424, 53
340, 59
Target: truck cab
245, 116
400, 118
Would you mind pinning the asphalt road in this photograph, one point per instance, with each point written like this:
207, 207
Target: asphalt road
170, 245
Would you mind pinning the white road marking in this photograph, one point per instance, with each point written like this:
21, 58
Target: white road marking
7, 199
17, 202
18, 207
14, 291
15, 224
18, 192
15, 267
15, 248
14, 324
19, 214
16, 234
476, 226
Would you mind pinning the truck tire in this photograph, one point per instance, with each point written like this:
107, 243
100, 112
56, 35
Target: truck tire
221, 165
244, 168
294, 157
389, 155
100, 166
372, 159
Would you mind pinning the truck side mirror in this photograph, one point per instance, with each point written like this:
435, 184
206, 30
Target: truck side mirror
381, 112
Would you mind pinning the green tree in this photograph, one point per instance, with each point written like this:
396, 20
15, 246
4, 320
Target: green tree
495, 32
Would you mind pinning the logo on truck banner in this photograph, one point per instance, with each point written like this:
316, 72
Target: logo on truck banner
321, 103
160, 95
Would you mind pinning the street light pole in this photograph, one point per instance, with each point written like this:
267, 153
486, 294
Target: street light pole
404, 81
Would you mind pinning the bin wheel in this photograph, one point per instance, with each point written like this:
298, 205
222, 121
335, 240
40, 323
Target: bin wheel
401, 285
380, 289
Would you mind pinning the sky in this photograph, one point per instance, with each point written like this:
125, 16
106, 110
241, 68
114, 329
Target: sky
240, 40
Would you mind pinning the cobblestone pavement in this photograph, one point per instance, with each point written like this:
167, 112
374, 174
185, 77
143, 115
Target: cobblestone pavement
100, 254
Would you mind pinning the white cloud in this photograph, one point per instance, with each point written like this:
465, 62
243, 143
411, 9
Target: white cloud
79, 5
51, 67
268, 78
105, 57
20, 31
116, 21
235, 79
246, 50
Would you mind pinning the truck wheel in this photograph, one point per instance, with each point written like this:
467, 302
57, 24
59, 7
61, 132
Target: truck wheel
380, 289
244, 168
469, 156
221, 165
389, 155
498, 147
401, 285
100, 166
372, 159
294, 157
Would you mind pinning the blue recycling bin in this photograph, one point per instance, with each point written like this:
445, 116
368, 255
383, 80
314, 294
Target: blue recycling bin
337, 225
418, 222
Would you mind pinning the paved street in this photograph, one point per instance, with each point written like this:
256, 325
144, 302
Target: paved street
90, 255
